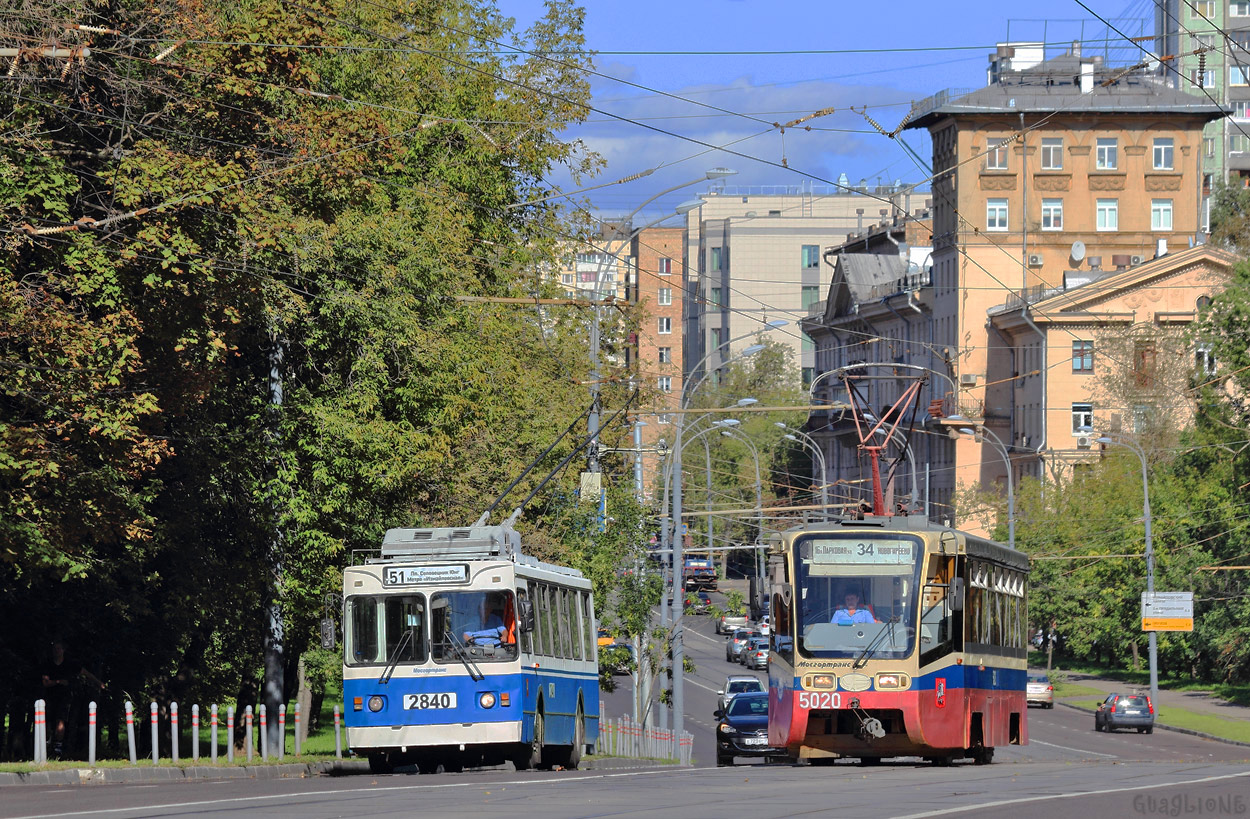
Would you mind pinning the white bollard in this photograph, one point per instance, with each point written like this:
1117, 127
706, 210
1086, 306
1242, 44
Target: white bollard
230, 733
173, 731
41, 732
195, 733
338, 739
282, 731
91, 733
155, 740
213, 721
247, 719
130, 731
264, 732
297, 727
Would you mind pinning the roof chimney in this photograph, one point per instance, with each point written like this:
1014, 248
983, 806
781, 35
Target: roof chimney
1161, 247
1087, 77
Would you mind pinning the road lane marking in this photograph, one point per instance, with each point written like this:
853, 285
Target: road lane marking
357, 792
1066, 748
1025, 799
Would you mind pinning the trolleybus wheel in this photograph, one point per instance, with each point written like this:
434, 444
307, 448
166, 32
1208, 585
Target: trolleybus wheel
531, 756
579, 741
380, 763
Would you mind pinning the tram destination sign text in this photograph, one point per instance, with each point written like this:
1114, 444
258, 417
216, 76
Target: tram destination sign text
872, 552
414, 575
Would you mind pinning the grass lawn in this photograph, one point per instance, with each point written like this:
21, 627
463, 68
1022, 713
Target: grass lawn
1067, 689
1180, 718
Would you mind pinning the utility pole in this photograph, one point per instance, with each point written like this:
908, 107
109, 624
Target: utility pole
274, 693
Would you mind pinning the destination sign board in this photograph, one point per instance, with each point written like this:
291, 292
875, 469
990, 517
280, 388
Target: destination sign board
413, 575
864, 552
1167, 611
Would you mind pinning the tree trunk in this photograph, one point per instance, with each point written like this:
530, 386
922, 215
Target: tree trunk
1136, 657
304, 699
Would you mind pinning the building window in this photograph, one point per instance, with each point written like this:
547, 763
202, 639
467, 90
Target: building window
664, 418
1082, 418
1108, 214
811, 296
1052, 154
715, 338
1204, 9
1082, 356
666, 267
1143, 416
1145, 364
666, 355
666, 383
1105, 158
1163, 154
1208, 147
995, 214
666, 296
1160, 214
1052, 214
1239, 8
811, 257
665, 325
1237, 75
807, 344
715, 300
566, 278
1202, 79
1238, 144
996, 155
716, 254
1198, 41
1241, 109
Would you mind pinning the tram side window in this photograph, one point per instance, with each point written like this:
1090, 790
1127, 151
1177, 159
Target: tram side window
937, 619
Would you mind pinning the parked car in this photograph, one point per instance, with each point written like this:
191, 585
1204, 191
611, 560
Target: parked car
742, 729
1039, 691
727, 622
1125, 711
748, 653
736, 684
737, 642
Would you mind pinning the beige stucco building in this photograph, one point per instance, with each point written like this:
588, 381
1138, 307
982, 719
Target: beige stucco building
1056, 188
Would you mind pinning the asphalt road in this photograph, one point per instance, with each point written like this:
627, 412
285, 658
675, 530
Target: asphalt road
1066, 766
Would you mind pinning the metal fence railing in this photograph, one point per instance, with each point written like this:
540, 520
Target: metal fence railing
630, 739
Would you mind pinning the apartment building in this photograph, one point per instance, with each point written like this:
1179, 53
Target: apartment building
1209, 39
754, 255
1055, 178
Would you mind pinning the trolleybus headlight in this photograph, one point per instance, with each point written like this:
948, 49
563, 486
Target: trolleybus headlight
487, 700
376, 702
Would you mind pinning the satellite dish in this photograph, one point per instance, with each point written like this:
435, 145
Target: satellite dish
1078, 250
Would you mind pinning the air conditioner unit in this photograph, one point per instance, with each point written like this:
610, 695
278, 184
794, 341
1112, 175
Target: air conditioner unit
1084, 442
1035, 260
968, 380
1134, 260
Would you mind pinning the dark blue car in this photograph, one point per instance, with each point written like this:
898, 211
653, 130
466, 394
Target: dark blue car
742, 729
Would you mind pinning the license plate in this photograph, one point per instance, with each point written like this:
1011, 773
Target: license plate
1133, 712
426, 702
756, 741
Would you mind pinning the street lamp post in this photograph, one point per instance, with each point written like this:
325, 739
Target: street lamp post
806, 440
759, 508
1150, 553
678, 653
982, 430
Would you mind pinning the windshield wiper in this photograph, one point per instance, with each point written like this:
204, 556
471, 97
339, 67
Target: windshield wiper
861, 660
474, 671
394, 658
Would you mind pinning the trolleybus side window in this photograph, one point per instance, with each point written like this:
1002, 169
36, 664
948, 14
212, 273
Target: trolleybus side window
588, 624
385, 628
575, 620
566, 633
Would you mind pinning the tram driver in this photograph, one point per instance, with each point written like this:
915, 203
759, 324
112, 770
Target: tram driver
851, 611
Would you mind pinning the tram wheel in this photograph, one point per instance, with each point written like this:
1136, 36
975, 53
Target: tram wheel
380, 763
982, 755
427, 766
870, 760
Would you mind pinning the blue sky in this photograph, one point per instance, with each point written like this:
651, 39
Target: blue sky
844, 55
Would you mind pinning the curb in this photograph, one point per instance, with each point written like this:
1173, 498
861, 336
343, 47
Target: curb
113, 776
345, 767
1173, 728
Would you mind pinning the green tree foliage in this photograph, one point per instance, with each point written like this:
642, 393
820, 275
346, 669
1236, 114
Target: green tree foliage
222, 190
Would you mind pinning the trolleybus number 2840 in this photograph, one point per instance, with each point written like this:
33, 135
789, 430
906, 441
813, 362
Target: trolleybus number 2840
426, 701
819, 700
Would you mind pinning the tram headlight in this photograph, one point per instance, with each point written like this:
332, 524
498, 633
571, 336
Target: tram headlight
486, 700
377, 702
892, 682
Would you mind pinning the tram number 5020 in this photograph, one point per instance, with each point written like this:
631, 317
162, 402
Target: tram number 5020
819, 700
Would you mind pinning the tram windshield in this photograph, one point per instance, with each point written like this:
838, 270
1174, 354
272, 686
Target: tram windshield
857, 595
473, 625
384, 629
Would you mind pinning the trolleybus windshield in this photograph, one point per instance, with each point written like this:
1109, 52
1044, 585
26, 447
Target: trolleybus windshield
857, 595
480, 625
